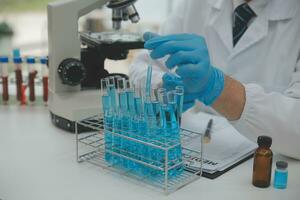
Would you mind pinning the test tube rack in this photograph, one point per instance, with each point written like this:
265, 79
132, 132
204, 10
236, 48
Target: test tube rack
90, 147
39, 81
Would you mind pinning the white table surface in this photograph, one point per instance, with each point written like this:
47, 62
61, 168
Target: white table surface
37, 162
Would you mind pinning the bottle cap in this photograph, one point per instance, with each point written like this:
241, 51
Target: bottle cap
4, 59
44, 60
17, 60
16, 53
281, 165
264, 141
30, 60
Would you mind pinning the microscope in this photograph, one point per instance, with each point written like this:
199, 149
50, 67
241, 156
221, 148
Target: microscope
76, 60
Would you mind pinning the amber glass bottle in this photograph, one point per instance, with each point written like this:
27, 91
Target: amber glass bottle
262, 166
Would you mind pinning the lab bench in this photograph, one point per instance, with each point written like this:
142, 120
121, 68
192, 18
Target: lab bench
38, 161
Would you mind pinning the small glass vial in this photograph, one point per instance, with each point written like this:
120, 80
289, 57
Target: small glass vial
262, 166
31, 78
5, 91
281, 175
45, 75
19, 77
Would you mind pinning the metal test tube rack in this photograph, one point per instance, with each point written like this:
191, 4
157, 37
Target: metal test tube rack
90, 147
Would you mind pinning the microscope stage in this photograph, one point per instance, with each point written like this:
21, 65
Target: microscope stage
111, 38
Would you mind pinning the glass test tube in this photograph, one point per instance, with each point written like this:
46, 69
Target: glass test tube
19, 78
175, 154
108, 120
5, 90
31, 78
180, 98
45, 75
155, 134
171, 130
155, 102
112, 92
138, 101
117, 121
104, 94
132, 146
130, 98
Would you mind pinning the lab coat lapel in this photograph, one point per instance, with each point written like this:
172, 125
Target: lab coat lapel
221, 21
257, 31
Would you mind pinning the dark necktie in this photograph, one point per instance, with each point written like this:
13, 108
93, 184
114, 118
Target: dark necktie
242, 16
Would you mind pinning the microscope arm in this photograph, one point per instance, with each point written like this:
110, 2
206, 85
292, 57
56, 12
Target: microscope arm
63, 36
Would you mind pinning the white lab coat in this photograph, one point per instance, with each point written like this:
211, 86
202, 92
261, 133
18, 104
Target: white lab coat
266, 60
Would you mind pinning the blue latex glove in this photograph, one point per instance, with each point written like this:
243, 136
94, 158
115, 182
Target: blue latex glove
189, 53
170, 81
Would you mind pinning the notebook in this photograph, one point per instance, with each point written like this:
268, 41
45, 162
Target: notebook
227, 148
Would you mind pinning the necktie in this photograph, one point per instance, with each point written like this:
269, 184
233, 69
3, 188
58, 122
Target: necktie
242, 16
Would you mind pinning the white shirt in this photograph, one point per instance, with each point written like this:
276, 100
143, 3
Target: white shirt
266, 60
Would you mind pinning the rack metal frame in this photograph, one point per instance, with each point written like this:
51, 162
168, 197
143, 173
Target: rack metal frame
90, 147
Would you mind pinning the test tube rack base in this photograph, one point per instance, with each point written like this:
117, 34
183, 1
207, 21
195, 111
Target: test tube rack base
91, 148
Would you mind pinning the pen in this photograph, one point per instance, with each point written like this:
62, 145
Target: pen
207, 135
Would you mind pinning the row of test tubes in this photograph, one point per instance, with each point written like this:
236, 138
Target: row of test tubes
139, 124
19, 64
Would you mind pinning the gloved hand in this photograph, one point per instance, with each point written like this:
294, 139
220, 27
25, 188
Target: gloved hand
189, 53
170, 82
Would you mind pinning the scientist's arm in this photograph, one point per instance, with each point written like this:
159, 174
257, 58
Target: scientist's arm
274, 114
232, 100
256, 111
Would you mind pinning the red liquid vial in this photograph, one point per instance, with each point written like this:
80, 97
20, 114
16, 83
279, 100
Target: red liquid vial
5, 95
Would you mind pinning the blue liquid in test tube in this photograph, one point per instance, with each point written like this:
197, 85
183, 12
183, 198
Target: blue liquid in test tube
171, 131
108, 120
133, 127
143, 149
108, 123
139, 127
150, 117
124, 126
112, 92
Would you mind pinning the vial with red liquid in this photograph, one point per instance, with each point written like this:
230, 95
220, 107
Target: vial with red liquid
45, 74
4, 75
31, 78
19, 79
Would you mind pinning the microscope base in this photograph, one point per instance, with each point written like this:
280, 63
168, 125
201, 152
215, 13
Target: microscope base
69, 107
67, 125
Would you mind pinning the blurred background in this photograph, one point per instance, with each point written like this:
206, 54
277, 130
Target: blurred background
23, 23
23, 26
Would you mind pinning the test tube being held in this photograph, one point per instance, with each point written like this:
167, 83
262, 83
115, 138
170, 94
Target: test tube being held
5, 94
31, 78
45, 75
